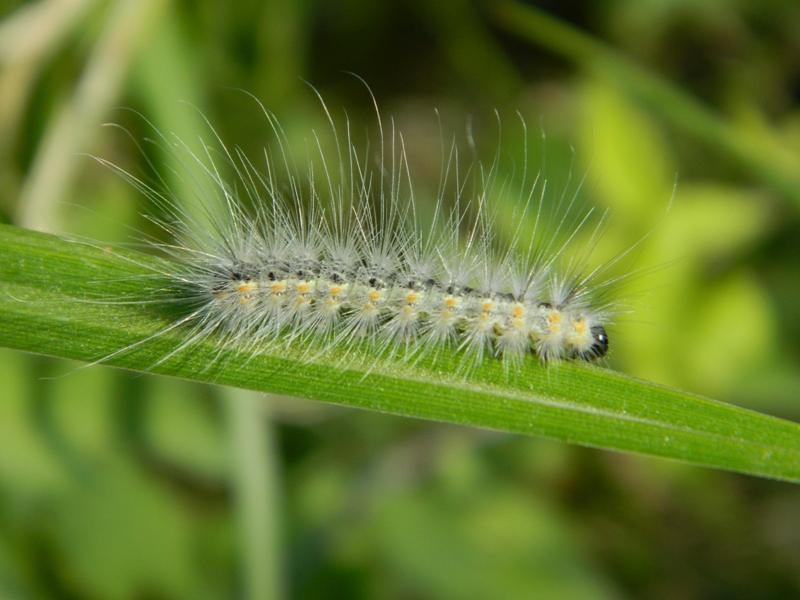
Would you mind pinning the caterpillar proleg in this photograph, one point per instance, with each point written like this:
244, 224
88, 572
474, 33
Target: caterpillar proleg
339, 252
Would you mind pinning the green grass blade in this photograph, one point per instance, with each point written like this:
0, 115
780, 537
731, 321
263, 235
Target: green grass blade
43, 275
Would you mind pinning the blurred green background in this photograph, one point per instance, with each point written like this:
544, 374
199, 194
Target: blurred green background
119, 486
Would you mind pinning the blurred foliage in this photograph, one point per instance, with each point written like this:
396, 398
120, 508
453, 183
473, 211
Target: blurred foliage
117, 486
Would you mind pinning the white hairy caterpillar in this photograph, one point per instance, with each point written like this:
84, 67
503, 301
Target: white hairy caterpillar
338, 254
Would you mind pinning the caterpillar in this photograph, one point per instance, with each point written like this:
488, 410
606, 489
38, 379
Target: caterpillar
339, 252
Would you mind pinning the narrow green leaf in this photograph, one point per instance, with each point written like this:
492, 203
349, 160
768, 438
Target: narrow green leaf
45, 277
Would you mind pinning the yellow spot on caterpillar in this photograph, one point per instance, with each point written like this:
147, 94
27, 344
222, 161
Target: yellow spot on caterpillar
579, 326
487, 306
519, 310
277, 287
302, 288
450, 302
374, 295
335, 290
412, 297
555, 317
246, 287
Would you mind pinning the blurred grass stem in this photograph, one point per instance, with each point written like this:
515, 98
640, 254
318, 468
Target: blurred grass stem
763, 156
256, 492
75, 123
